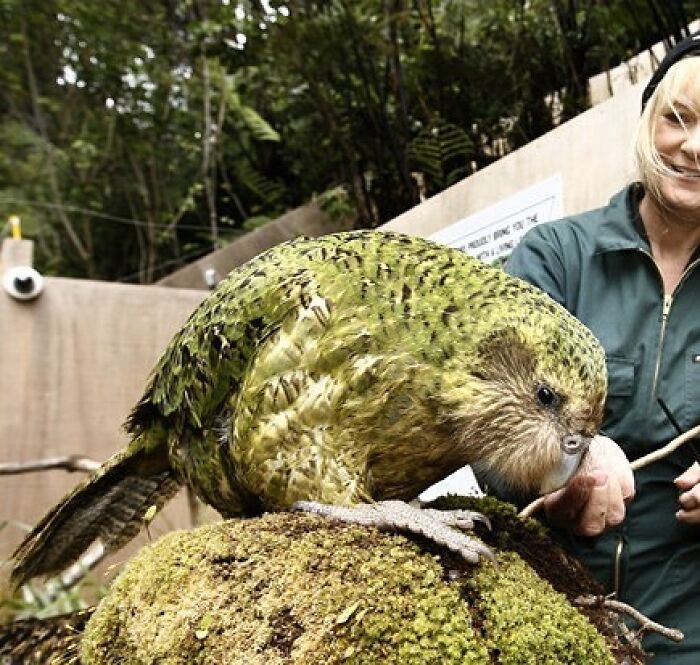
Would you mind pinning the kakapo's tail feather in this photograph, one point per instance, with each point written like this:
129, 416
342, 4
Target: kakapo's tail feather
54, 641
110, 505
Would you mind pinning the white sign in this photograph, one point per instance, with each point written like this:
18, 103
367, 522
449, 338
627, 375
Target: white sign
492, 233
462, 482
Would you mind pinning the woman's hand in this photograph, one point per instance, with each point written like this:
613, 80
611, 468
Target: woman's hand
595, 499
689, 482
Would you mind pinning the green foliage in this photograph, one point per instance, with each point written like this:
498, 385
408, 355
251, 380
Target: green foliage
131, 130
441, 151
49, 599
258, 183
122, 137
337, 205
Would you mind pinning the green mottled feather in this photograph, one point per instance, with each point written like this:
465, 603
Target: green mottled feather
355, 366
406, 301
414, 293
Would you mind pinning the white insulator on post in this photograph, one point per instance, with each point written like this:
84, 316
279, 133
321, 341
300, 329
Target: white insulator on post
23, 282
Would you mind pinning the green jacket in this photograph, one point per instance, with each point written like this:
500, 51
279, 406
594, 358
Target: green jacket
599, 266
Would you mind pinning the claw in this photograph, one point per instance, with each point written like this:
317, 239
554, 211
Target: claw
464, 519
480, 517
482, 550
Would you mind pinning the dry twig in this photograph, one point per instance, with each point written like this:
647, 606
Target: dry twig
645, 623
68, 463
667, 449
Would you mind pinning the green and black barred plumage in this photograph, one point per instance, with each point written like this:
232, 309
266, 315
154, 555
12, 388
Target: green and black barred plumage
358, 366
51, 641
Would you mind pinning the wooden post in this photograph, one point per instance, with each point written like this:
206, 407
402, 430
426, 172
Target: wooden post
16, 253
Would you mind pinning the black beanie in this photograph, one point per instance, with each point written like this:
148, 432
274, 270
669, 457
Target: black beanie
678, 52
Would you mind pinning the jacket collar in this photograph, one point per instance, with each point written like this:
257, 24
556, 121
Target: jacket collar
621, 228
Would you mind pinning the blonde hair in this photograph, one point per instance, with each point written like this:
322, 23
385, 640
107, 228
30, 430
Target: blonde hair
679, 87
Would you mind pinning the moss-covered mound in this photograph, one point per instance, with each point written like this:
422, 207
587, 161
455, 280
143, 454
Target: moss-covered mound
289, 588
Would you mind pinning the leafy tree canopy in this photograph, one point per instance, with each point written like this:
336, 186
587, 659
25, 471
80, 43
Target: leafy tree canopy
136, 136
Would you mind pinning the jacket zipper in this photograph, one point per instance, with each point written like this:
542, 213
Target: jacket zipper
667, 302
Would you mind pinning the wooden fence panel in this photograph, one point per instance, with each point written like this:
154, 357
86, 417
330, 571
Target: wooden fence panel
72, 364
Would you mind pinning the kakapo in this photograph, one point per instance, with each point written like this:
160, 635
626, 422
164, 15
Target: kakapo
345, 370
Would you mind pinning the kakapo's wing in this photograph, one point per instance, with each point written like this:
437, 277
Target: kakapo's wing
202, 366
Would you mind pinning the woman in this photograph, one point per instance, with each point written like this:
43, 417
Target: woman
631, 272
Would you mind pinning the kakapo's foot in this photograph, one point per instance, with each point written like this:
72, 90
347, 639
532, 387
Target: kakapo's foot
436, 525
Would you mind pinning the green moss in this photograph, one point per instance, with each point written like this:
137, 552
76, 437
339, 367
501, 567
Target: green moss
283, 588
495, 509
528, 623
289, 588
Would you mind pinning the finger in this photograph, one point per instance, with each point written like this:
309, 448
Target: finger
689, 516
689, 500
616, 504
689, 478
626, 485
607, 455
594, 515
564, 506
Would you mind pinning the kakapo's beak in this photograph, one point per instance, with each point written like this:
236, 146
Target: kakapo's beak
573, 450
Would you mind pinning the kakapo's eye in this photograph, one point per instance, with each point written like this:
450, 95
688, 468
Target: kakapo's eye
546, 396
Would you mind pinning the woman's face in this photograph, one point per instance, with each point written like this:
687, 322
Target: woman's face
677, 140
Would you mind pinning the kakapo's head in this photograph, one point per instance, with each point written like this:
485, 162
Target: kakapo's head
526, 410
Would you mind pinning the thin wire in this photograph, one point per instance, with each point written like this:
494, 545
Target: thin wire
101, 215
120, 220
165, 264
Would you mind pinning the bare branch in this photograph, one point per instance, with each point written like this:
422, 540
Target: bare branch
78, 570
209, 138
69, 463
195, 508
531, 508
645, 623
55, 586
667, 449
